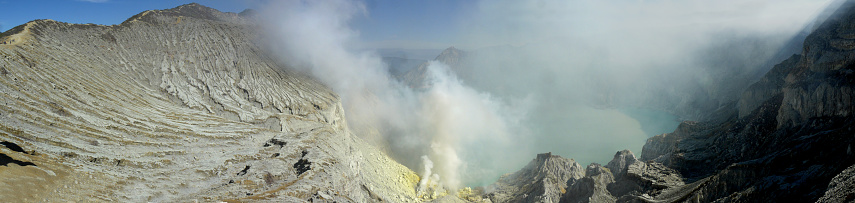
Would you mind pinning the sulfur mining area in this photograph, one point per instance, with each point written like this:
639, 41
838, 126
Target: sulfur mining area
188, 104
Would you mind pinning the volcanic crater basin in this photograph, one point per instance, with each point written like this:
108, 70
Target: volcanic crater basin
175, 105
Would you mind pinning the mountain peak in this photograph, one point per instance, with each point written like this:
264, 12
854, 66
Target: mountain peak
193, 10
451, 57
448, 53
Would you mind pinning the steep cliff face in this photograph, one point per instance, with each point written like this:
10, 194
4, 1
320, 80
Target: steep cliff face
175, 105
821, 84
793, 133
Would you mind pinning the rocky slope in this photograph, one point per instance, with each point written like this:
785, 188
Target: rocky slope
174, 105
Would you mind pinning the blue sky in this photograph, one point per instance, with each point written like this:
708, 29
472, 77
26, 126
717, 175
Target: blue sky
387, 23
428, 24
105, 12
438, 24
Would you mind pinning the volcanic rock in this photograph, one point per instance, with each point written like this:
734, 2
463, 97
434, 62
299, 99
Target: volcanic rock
175, 105
544, 179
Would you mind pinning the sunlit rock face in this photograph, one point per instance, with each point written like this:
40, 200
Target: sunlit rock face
175, 105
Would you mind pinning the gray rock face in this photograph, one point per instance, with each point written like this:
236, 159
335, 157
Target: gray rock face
591, 188
769, 86
621, 162
175, 105
821, 83
544, 179
841, 188
624, 179
634, 178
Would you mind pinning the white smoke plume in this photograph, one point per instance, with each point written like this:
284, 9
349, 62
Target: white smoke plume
450, 123
426, 174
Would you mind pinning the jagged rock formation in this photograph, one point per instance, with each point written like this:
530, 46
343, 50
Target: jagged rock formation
550, 178
591, 188
174, 105
541, 180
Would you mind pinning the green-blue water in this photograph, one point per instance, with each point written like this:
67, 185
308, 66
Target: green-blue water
581, 133
653, 122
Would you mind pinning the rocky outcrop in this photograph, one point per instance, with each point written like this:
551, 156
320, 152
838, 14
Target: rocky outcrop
841, 188
544, 179
550, 178
635, 178
591, 188
175, 105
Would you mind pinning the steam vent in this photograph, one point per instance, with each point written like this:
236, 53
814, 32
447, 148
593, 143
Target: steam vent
193, 104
